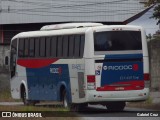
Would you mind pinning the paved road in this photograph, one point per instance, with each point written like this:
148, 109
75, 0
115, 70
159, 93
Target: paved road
98, 112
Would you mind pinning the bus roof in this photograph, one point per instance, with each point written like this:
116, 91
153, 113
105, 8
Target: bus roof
49, 33
69, 26
78, 30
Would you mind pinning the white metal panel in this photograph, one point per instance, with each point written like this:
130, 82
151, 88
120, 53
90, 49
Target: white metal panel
130, 95
75, 91
111, 27
89, 44
17, 80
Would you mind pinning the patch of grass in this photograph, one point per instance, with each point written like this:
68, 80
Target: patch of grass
30, 108
5, 96
148, 101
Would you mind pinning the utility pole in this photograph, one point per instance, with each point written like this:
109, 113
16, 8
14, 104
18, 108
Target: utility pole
0, 5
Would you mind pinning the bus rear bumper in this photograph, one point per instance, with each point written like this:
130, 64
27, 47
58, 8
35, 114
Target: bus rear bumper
104, 96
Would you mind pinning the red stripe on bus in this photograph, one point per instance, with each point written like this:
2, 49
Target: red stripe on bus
122, 86
35, 63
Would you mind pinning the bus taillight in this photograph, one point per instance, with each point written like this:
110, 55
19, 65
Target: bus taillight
146, 76
91, 82
147, 80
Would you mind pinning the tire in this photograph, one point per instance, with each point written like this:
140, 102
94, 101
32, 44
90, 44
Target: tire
65, 100
25, 101
116, 106
72, 107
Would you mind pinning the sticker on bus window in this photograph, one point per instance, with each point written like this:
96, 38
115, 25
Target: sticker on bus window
99, 67
97, 72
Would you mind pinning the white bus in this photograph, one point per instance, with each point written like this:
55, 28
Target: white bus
81, 64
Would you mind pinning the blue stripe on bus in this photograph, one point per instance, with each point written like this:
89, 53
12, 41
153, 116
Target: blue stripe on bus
44, 83
123, 56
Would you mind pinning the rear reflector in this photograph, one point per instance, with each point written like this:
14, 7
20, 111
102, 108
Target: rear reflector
147, 80
146, 76
91, 82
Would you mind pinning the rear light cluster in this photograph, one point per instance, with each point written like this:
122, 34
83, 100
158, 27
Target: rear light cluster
146, 76
147, 80
91, 85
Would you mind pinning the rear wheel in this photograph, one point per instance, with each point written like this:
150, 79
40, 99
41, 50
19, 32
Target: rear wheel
24, 98
72, 107
65, 100
116, 106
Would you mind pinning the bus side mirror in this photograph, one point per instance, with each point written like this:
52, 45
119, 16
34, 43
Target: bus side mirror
6, 60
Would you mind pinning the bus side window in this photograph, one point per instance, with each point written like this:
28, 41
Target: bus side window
48, 47
37, 47
65, 46
13, 57
42, 47
26, 47
82, 45
77, 46
59, 46
31, 47
71, 46
21, 48
54, 46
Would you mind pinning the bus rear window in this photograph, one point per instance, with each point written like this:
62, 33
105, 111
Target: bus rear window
117, 40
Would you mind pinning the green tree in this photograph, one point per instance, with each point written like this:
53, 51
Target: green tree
156, 13
149, 36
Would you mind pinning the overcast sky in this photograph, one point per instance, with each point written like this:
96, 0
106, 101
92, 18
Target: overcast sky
148, 23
